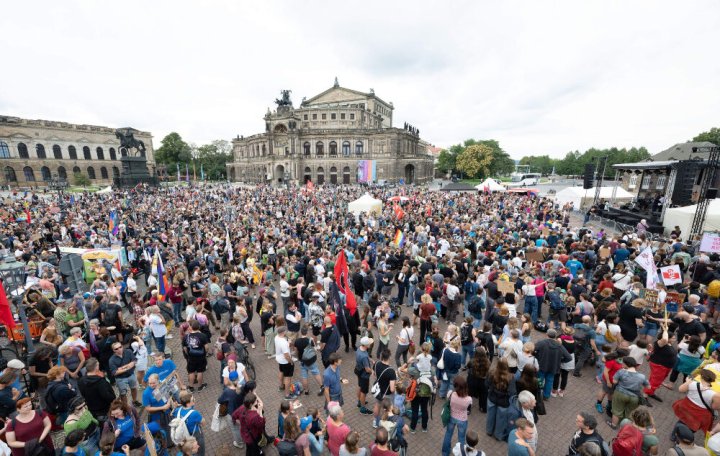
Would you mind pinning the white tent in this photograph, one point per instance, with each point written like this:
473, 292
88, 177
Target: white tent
491, 184
683, 217
582, 198
105, 190
367, 204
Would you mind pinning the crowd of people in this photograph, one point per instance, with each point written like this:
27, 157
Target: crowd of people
470, 301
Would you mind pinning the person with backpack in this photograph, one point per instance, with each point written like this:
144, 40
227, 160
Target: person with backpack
467, 340
460, 401
381, 445
393, 421
628, 392
187, 422
58, 394
587, 432
27, 425
643, 421
195, 346
685, 443
585, 346
363, 370
306, 352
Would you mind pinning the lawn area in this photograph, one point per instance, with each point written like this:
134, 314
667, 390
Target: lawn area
80, 189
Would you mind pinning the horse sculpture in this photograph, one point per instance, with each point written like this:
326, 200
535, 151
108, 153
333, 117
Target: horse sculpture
128, 141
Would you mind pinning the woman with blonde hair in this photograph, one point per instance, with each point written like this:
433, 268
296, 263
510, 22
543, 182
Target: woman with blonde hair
189, 447
58, 393
50, 334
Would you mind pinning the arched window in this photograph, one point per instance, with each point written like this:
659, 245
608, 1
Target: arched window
100, 153
103, 173
45, 171
308, 175
91, 172
346, 148
10, 174
306, 149
40, 151
23, 151
72, 152
123, 151
113, 155
4, 150
320, 175
346, 175
264, 150
62, 173
319, 149
116, 171
359, 148
29, 174
332, 151
333, 175
57, 152
76, 170
86, 153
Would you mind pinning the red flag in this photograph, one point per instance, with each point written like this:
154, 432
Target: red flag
6, 316
310, 185
399, 213
27, 214
341, 280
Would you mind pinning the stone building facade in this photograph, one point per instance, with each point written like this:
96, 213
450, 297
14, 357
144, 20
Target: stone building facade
331, 138
32, 151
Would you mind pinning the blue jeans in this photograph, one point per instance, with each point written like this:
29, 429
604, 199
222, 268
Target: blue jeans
446, 385
496, 423
160, 343
177, 311
547, 387
531, 307
450, 430
467, 350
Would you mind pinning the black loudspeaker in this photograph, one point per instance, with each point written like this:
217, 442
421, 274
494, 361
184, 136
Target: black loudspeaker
589, 176
711, 193
71, 268
685, 177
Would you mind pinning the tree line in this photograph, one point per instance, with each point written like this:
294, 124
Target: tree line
485, 158
211, 158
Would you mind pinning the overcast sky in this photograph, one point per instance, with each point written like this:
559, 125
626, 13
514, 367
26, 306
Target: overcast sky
541, 77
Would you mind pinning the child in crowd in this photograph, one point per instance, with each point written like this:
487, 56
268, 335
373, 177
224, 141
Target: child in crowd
471, 441
639, 351
600, 365
399, 400
317, 421
141, 358
285, 410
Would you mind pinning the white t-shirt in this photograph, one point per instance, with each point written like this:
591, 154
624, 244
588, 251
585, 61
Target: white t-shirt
156, 324
406, 335
282, 346
240, 370
638, 353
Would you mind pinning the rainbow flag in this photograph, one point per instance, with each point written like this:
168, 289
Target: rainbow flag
399, 238
162, 280
113, 223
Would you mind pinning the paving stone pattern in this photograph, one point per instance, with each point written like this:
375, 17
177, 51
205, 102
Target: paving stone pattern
555, 429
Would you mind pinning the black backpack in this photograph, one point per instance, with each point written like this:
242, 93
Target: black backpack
286, 448
466, 334
582, 338
111, 315
52, 404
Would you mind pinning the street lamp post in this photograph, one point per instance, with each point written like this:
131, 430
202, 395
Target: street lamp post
13, 276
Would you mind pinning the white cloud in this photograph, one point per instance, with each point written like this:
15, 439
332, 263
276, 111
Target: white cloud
540, 77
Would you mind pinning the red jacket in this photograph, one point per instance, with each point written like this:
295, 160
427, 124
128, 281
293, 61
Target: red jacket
252, 425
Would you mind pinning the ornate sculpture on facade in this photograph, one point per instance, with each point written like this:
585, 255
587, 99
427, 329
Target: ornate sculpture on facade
128, 141
285, 100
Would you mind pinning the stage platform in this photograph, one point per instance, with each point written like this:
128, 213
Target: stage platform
632, 217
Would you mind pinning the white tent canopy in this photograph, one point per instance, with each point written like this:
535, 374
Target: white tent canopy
491, 185
582, 198
367, 204
105, 190
683, 217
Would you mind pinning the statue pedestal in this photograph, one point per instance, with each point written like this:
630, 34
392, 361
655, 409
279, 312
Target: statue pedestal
134, 171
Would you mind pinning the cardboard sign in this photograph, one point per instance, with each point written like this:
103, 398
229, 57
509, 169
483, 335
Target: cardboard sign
505, 287
605, 252
650, 295
671, 274
710, 243
546, 231
674, 300
535, 255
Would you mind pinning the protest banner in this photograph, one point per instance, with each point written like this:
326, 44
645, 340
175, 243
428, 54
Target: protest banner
505, 287
674, 300
710, 243
671, 274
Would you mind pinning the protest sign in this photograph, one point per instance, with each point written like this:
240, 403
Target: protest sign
535, 255
605, 252
710, 243
505, 287
674, 300
671, 274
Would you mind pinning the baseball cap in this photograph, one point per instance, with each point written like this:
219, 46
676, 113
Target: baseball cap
305, 422
233, 376
683, 433
366, 341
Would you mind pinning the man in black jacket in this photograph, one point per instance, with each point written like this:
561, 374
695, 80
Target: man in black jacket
96, 390
550, 353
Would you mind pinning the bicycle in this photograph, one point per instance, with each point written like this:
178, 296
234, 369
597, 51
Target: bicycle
244, 358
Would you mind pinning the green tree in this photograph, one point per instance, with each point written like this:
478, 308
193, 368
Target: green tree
213, 157
81, 179
712, 136
173, 150
446, 161
475, 160
539, 164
